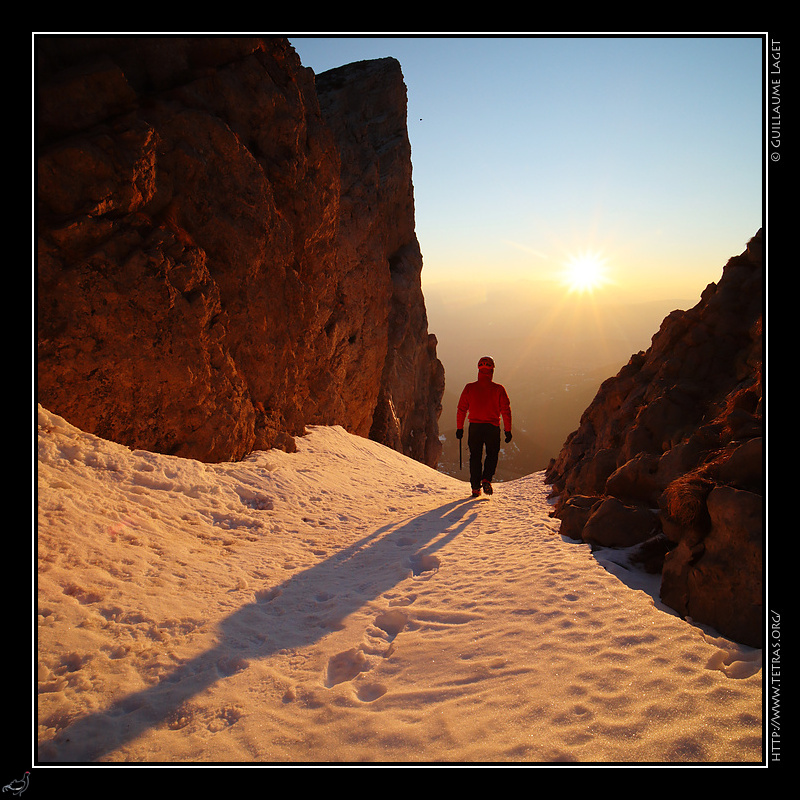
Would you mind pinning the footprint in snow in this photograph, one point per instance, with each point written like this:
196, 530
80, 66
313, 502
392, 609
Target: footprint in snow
345, 666
349, 664
391, 622
423, 565
370, 692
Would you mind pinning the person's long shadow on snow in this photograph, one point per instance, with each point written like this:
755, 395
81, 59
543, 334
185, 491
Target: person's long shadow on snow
259, 629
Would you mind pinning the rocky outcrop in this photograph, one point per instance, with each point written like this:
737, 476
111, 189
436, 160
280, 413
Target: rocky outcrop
669, 455
220, 262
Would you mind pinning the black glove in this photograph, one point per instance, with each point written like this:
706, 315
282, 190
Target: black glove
508, 436
459, 433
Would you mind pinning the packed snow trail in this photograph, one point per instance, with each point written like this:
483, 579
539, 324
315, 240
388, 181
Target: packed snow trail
346, 604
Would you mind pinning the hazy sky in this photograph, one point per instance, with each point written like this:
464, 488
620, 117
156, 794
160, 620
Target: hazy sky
531, 152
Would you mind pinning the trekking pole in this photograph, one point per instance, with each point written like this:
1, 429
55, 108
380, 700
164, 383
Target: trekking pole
459, 454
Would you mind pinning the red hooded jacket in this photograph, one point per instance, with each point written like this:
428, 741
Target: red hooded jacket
486, 401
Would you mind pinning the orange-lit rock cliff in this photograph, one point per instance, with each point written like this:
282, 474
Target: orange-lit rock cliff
226, 247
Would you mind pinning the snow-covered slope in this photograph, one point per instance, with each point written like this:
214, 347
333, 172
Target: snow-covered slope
347, 604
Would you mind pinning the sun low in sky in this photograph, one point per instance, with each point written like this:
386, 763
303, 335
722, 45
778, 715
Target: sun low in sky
585, 272
528, 147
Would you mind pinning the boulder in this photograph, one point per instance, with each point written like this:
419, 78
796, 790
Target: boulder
637, 479
744, 469
613, 523
719, 580
575, 514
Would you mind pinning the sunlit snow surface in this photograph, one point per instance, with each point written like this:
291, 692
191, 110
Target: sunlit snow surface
347, 604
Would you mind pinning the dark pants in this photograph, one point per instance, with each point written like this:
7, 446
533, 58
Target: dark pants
482, 434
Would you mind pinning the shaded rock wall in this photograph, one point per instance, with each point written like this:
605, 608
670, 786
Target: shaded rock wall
219, 263
669, 456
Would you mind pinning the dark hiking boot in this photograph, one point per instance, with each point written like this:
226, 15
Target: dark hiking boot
487, 487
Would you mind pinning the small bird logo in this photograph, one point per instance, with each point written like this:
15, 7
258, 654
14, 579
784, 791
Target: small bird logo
19, 786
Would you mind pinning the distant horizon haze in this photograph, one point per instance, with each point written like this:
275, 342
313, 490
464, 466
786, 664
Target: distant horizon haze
551, 358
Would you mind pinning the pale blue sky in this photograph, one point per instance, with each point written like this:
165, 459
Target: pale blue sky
529, 150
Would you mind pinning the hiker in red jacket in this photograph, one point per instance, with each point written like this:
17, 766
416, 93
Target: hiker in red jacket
486, 402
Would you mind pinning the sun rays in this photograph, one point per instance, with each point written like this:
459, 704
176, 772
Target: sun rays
585, 272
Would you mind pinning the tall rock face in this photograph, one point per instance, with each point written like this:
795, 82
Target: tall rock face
669, 456
221, 264
365, 107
